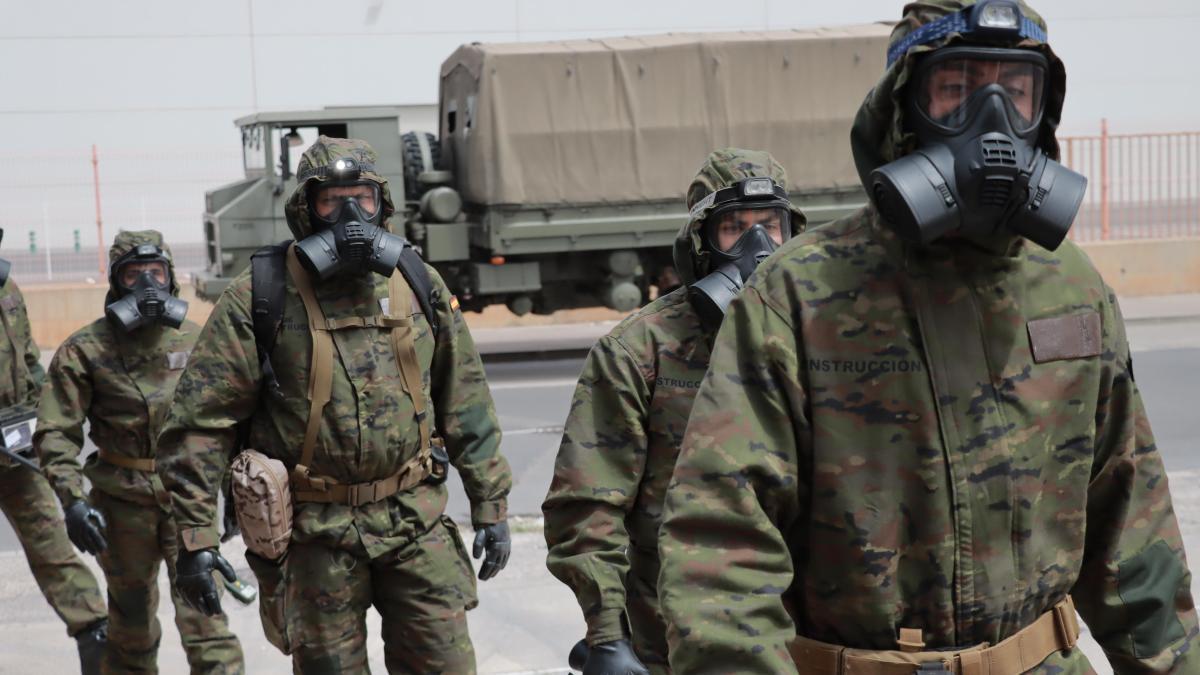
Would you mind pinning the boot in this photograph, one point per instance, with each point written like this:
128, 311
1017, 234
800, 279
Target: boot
92, 641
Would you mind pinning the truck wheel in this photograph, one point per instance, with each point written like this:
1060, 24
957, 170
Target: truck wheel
418, 159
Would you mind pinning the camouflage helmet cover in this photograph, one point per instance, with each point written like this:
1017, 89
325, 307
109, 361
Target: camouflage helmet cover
879, 136
324, 152
721, 169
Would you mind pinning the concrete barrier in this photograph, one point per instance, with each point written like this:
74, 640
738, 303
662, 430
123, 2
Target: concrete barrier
1148, 266
1132, 268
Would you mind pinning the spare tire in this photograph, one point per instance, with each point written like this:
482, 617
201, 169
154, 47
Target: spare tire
418, 159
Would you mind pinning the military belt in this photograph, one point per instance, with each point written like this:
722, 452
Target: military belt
1056, 630
309, 488
143, 465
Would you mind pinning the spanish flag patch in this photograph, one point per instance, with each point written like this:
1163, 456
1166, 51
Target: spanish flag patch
453, 303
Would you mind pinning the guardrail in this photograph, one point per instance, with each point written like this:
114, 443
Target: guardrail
1140, 186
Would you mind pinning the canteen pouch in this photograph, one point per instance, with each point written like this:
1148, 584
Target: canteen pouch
262, 499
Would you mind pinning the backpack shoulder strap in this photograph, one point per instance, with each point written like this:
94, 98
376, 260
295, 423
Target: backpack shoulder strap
413, 269
268, 286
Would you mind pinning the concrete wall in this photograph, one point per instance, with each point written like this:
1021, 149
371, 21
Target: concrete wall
1148, 267
1132, 268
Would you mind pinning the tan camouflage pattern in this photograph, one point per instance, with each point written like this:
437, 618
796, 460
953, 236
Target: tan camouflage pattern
722, 168
26, 497
875, 447
261, 490
368, 428
621, 438
123, 384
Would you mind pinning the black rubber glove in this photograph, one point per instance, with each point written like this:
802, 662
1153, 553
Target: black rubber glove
496, 540
194, 579
613, 658
85, 527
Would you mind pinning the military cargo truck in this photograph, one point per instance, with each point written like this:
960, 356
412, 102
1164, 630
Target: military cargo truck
556, 179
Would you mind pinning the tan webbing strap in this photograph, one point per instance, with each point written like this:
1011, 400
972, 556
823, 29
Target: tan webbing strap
1056, 630
405, 350
413, 473
144, 465
911, 640
320, 372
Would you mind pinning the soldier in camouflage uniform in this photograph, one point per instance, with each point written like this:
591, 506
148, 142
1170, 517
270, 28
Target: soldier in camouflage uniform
901, 448
622, 436
28, 501
399, 553
122, 382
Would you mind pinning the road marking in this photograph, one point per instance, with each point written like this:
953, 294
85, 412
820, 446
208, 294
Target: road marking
534, 384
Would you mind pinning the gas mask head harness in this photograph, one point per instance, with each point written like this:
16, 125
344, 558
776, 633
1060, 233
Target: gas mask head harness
976, 113
743, 224
146, 300
346, 211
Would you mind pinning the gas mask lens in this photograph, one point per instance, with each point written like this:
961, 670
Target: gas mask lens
950, 80
128, 274
329, 200
726, 227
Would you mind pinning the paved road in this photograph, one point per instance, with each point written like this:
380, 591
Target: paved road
526, 620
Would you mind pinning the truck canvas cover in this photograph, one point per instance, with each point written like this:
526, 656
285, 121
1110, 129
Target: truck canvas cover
630, 119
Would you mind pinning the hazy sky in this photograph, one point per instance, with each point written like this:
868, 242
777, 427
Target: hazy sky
155, 84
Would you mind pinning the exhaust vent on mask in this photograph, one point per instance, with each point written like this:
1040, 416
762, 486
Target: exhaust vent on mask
999, 152
996, 191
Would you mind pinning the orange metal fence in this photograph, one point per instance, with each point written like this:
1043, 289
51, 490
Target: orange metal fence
1140, 186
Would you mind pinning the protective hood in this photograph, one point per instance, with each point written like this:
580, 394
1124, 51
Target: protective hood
878, 135
125, 242
722, 168
324, 152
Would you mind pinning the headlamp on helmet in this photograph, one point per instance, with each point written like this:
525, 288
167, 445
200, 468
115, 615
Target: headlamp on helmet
986, 20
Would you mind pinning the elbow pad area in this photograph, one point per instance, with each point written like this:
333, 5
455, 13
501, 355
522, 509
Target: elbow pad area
1149, 584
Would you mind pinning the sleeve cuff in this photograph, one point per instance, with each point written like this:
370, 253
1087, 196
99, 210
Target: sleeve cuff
489, 512
199, 538
606, 625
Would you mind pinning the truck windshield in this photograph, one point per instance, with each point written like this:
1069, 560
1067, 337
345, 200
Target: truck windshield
254, 151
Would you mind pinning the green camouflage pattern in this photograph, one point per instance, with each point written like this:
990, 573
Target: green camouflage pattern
722, 168
323, 152
26, 497
368, 429
621, 438
875, 447
422, 590
123, 384
68, 585
140, 539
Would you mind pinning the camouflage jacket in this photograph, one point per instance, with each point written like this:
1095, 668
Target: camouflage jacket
21, 373
123, 384
947, 439
368, 427
618, 450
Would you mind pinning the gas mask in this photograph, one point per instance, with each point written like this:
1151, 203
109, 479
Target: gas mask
976, 113
347, 212
5, 266
743, 225
146, 301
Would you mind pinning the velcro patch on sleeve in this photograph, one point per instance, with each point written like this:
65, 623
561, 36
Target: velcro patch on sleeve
1075, 336
177, 360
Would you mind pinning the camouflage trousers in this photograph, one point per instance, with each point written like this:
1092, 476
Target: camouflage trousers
140, 538
647, 627
422, 591
32, 509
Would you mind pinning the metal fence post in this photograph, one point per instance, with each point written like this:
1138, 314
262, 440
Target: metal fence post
1105, 224
99, 222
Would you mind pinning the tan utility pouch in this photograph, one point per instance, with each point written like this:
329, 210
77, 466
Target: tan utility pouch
262, 499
